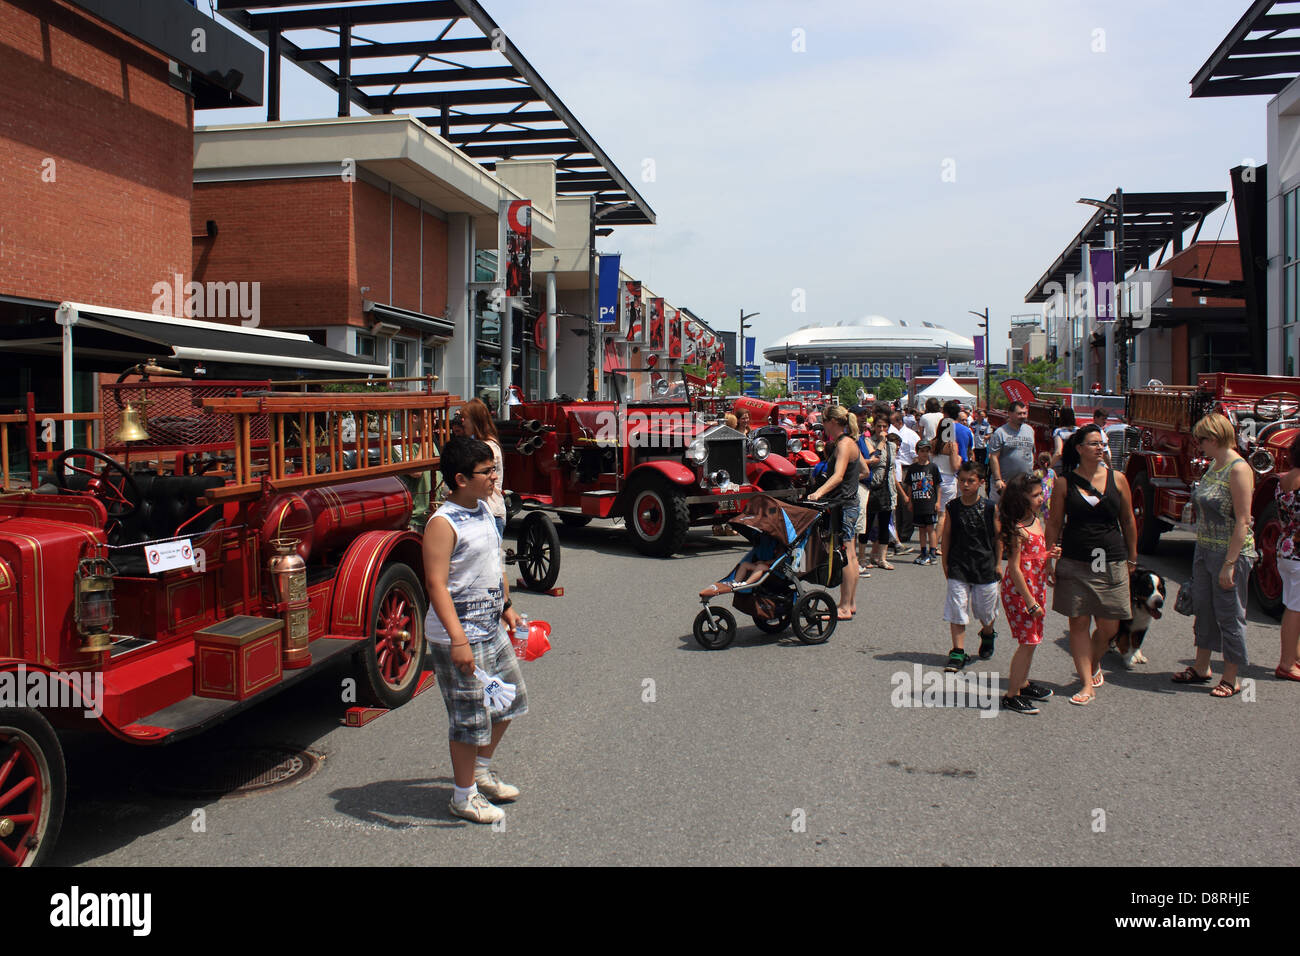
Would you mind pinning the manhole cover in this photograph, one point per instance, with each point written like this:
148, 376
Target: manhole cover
233, 773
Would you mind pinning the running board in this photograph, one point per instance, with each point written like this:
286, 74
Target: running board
194, 714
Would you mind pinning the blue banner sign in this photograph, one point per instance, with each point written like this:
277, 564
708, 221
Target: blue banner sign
608, 314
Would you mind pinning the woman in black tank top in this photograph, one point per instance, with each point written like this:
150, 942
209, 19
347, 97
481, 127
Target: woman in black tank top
1091, 517
841, 488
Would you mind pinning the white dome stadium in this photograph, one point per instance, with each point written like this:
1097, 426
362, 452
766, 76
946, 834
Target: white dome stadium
871, 338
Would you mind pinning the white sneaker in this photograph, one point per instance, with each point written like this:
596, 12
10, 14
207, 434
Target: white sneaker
477, 810
494, 788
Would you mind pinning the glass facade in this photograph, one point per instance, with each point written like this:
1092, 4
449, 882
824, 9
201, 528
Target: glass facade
1290, 281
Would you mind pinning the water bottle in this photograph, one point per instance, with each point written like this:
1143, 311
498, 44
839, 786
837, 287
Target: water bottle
519, 637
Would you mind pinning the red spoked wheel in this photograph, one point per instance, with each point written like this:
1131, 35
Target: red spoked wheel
1265, 581
33, 786
391, 661
658, 518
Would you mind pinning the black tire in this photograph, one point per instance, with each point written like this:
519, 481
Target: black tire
538, 554
1265, 581
1148, 526
29, 736
657, 517
389, 664
815, 617
775, 626
575, 521
715, 628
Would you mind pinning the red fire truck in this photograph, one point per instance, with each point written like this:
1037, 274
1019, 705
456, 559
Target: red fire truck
1162, 460
645, 457
229, 544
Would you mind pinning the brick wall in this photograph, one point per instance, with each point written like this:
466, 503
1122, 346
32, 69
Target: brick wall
292, 236
115, 217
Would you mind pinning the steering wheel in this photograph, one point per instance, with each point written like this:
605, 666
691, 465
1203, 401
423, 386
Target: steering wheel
121, 499
1283, 405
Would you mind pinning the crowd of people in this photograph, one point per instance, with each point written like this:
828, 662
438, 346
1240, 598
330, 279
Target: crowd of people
1006, 523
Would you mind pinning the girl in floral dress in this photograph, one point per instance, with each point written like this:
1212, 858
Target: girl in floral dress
1024, 586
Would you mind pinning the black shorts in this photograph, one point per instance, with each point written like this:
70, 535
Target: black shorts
922, 521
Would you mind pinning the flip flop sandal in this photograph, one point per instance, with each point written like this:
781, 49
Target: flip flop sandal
1285, 675
1083, 699
1220, 686
1097, 679
1189, 675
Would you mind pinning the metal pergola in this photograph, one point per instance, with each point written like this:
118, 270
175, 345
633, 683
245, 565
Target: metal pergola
1151, 221
1260, 55
456, 70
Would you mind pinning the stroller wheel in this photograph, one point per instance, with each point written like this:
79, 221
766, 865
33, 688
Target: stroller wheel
715, 628
815, 616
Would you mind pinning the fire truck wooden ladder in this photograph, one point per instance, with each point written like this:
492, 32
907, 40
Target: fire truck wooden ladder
409, 427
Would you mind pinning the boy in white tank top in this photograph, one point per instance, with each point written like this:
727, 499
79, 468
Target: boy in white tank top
469, 598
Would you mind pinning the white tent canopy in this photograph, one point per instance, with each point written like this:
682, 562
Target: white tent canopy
943, 388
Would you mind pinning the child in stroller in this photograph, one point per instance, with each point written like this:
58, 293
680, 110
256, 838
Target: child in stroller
772, 583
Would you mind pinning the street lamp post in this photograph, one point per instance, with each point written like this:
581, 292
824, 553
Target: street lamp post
988, 382
1117, 331
740, 352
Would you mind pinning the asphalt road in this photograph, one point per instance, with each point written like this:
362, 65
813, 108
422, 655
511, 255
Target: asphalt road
640, 748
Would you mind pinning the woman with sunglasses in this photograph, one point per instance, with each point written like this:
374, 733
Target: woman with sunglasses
1091, 516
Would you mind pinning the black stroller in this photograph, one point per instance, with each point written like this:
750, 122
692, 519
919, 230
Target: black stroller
795, 542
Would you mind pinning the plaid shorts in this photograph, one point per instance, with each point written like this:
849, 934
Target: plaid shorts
467, 716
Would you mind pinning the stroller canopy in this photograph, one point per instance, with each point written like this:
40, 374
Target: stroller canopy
779, 519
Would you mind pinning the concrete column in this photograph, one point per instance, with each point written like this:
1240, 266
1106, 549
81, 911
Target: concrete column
551, 322
457, 363
507, 337
1089, 376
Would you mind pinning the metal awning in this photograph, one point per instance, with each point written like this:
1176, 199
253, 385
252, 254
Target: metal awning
1151, 221
405, 318
460, 72
110, 339
1260, 55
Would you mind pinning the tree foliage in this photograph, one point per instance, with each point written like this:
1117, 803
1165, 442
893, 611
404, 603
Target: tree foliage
890, 389
771, 391
846, 391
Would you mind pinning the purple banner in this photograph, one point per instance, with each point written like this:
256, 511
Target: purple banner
907, 372
1101, 265
979, 351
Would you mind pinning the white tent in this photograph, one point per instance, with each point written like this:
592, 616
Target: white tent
944, 388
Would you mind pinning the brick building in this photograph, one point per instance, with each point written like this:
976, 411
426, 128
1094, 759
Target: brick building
96, 155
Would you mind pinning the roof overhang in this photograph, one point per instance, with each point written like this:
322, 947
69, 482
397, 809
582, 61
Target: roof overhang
398, 149
1151, 221
1265, 64
225, 69
453, 63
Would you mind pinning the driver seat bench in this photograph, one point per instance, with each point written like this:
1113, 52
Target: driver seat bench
167, 503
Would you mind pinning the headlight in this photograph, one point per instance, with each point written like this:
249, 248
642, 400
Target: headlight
1261, 459
820, 446
696, 452
760, 448
720, 477
795, 444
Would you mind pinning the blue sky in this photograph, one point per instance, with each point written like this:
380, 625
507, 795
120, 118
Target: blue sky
821, 170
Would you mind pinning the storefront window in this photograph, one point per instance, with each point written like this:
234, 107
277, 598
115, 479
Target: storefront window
365, 346
398, 368
1290, 267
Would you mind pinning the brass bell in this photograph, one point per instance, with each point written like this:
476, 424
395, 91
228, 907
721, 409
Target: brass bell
131, 429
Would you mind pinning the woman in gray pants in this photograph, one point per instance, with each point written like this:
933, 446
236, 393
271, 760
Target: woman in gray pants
1224, 555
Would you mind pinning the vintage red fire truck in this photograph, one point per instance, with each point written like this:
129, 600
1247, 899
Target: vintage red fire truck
778, 424
645, 457
232, 543
1163, 461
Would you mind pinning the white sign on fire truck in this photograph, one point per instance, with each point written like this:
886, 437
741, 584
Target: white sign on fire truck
168, 555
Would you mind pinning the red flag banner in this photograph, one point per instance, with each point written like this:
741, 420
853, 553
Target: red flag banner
675, 335
1017, 391
657, 324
